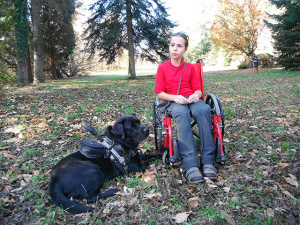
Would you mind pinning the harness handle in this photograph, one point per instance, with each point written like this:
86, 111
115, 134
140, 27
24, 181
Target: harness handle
86, 126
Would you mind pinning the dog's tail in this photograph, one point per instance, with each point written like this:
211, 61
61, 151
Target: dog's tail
61, 200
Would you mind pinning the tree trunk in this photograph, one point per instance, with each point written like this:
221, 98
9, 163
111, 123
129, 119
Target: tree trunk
52, 66
131, 67
21, 39
38, 65
30, 75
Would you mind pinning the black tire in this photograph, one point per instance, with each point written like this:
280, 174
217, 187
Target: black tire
165, 158
158, 127
216, 109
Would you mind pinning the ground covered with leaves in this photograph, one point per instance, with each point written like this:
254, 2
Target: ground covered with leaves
259, 184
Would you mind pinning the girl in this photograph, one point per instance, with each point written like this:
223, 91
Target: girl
187, 103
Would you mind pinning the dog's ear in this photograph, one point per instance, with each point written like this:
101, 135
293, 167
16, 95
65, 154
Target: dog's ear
118, 130
133, 114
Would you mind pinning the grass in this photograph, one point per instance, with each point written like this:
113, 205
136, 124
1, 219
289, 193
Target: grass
261, 110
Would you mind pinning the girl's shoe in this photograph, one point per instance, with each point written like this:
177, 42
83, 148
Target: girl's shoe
194, 175
210, 171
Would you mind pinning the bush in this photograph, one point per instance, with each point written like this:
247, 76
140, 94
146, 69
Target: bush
266, 60
243, 66
6, 77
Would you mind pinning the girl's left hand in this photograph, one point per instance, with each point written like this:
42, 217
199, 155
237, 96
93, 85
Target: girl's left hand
193, 98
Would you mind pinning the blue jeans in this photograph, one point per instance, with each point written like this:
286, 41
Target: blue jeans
200, 112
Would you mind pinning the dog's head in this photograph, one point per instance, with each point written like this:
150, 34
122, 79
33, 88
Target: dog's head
127, 131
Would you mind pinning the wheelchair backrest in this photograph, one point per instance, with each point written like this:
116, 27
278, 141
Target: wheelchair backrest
199, 69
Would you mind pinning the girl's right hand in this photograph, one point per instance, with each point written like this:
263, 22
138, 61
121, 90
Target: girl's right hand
179, 99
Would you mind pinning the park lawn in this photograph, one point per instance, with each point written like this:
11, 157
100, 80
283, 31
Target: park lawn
259, 184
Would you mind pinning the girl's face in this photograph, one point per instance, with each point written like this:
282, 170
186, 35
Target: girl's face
177, 47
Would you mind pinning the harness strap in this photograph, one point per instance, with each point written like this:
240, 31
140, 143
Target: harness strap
108, 149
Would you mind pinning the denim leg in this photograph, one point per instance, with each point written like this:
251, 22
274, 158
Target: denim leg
201, 114
186, 142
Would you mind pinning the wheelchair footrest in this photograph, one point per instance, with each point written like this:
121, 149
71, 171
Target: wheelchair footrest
174, 159
221, 159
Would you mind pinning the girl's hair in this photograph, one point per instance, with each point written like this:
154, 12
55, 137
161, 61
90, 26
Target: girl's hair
184, 36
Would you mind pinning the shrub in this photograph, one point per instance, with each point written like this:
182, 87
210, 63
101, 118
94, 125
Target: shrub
266, 60
6, 77
243, 66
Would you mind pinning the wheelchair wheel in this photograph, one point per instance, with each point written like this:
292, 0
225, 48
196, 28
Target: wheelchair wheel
158, 128
218, 126
216, 109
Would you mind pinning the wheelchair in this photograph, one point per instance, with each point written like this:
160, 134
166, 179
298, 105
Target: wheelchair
166, 141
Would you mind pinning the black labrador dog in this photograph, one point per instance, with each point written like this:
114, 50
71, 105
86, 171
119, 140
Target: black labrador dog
81, 174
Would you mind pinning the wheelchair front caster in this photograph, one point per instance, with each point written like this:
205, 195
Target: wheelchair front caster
165, 158
221, 159
174, 159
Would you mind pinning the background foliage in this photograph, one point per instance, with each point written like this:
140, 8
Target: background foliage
286, 32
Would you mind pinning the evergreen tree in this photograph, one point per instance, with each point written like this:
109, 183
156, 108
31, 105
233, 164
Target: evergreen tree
59, 37
140, 26
286, 33
202, 48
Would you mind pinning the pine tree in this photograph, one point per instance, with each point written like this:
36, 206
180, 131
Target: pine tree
140, 26
59, 37
286, 33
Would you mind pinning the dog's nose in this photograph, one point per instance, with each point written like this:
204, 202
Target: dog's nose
146, 129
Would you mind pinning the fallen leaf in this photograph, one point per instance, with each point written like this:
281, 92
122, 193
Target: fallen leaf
283, 165
269, 212
46, 142
152, 195
192, 190
181, 217
266, 135
62, 120
15, 140
270, 169
148, 178
226, 140
10, 156
226, 189
128, 191
193, 202
264, 173
293, 180
289, 195
76, 126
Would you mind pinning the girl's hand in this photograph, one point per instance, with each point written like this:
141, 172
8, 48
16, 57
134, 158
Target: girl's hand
181, 100
193, 98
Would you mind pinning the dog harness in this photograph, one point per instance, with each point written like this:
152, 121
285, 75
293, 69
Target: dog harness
107, 148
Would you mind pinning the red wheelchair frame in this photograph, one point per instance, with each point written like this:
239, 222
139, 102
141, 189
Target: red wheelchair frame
166, 143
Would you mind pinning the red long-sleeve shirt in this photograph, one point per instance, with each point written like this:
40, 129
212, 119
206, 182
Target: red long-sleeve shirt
168, 77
